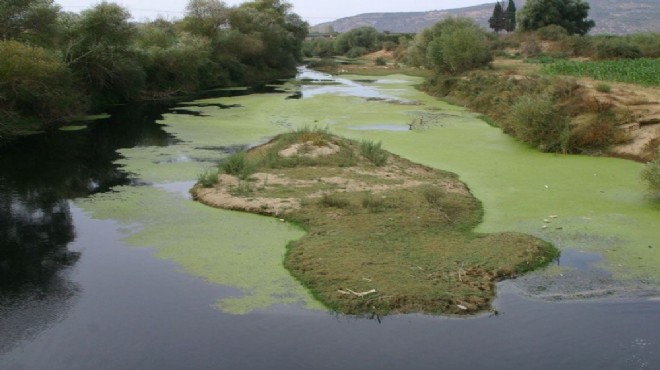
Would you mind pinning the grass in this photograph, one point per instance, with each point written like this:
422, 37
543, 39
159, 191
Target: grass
401, 232
643, 71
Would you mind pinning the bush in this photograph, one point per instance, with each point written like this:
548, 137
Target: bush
373, 152
617, 48
651, 175
551, 32
356, 52
380, 61
604, 88
334, 201
536, 120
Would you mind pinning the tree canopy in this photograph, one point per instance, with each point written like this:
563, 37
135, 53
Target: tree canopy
52, 63
569, 14
452, 46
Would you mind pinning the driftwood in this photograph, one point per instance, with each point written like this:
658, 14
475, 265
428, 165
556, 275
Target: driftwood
357, 294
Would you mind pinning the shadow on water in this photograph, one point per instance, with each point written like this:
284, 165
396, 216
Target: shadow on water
39, 175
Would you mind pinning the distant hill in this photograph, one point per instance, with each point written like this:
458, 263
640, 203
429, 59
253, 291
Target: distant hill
611, 16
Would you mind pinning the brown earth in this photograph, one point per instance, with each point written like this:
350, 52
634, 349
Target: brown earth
639, 105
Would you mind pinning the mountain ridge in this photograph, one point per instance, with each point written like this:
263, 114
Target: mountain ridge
611, 16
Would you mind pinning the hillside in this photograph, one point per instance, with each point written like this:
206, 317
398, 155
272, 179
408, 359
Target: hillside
611, 16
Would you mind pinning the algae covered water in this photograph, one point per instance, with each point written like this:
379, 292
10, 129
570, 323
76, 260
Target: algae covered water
107, 263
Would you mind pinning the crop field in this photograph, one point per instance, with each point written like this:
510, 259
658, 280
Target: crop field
638, 71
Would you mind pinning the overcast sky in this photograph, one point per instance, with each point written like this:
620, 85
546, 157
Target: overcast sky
313, 11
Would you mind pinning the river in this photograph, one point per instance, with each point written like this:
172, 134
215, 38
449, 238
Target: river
106, 262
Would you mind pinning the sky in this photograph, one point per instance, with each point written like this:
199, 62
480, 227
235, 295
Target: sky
313, 11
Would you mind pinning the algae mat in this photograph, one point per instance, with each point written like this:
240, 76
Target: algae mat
600, 201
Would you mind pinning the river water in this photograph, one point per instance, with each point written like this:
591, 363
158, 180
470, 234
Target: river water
106, 263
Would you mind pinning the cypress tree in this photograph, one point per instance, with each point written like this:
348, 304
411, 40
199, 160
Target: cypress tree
497, 21
510, 17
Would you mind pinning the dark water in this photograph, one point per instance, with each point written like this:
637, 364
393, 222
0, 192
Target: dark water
73, 296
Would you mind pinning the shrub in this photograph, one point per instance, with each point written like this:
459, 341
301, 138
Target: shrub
604, 88
373, 152
651, 175
536, 120
334, 201
617, 48
551, 32
380, 61
356, 52
373, 203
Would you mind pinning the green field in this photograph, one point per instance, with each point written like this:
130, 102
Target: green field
638, 71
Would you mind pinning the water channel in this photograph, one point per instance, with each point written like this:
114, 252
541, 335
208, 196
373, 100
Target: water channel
106, 262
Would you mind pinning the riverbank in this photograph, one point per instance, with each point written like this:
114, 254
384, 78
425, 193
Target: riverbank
556, 113
384, 235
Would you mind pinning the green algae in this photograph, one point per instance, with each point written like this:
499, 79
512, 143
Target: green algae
228, 248
73, 127
92, 117
599, 202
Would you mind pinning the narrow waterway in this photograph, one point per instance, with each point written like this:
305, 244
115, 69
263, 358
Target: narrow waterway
106, 262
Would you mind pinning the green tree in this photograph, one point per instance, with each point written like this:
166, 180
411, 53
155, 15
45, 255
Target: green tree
206, 18
173, 61
363, 37
569, 14
273, 30
510, 17
36, 85
100, 51
497, 21
453, 45
33, 21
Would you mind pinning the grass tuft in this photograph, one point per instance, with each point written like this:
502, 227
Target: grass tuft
373, 152
238, 165
208, 178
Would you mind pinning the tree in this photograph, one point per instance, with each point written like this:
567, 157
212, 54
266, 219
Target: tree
569, 14
100, 53
33, 21
206, 17
35, 84
363, 38
497, 21
453, 45
510, 17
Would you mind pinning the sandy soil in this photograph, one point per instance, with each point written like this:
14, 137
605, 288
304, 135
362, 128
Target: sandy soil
227, 194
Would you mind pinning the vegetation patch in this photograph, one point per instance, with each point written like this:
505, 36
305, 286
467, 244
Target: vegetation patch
394, 238
638, 71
